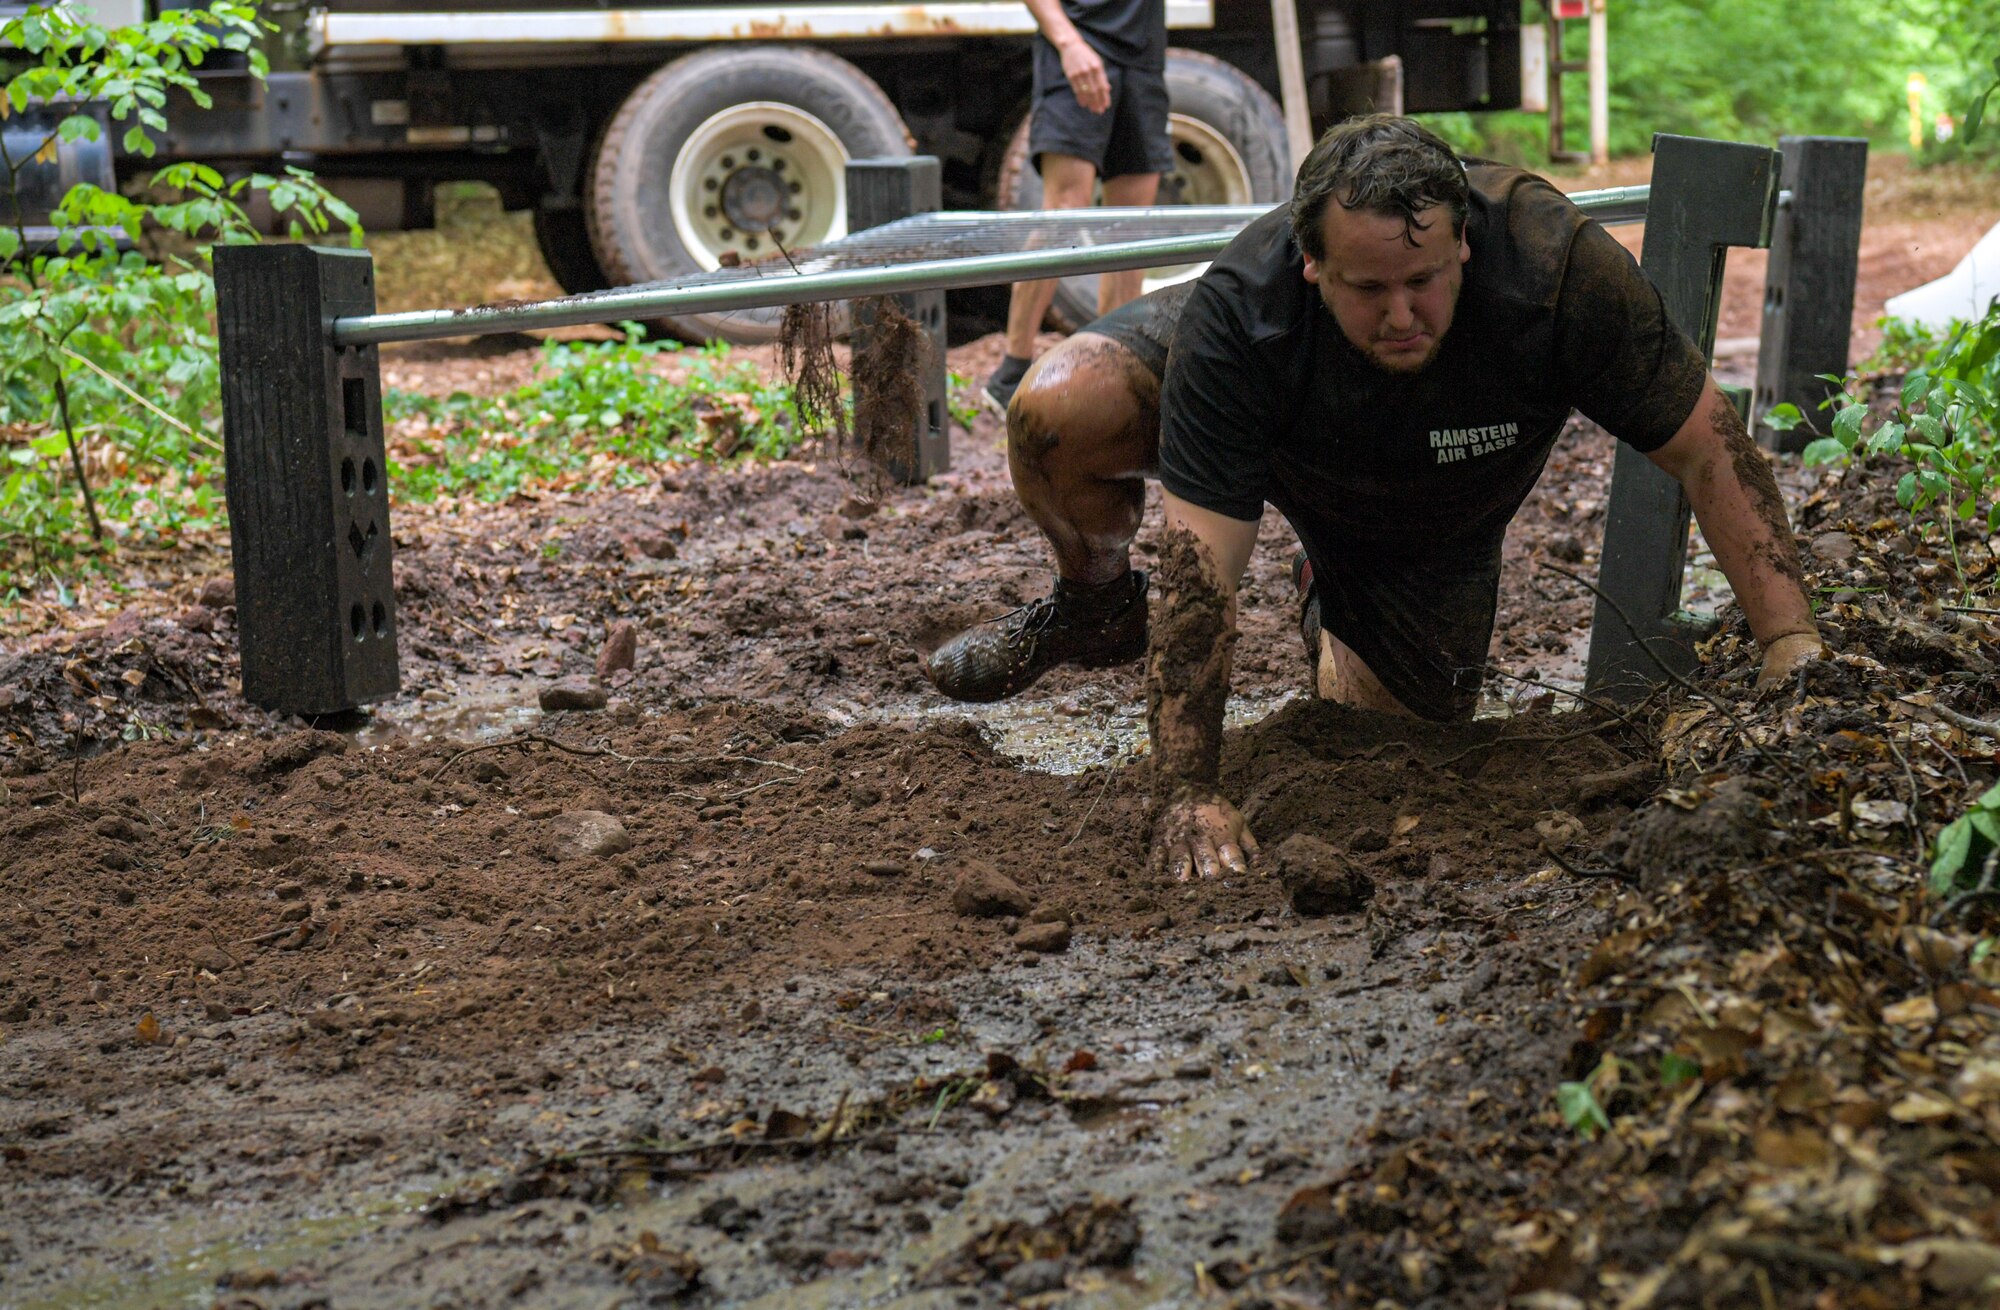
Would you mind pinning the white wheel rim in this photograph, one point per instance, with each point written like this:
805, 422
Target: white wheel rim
1207, 171
770, 166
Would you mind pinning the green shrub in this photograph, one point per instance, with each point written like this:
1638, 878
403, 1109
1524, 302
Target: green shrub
599, 415
110, 401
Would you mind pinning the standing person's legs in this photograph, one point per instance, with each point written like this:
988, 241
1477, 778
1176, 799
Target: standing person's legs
1067, 183
1137, 154
1123, 287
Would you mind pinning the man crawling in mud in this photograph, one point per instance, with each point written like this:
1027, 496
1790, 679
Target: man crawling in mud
1389, 362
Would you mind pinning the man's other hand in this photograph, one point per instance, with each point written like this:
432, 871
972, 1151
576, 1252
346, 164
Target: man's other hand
1786, 656
1202, 834
1084, 68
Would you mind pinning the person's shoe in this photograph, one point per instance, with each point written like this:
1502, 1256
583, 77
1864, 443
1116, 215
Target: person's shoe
1308, 597
999, 390
1094, 627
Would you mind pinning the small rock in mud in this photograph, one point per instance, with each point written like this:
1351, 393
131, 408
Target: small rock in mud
1043, 938
1629, 783
584, 834
1366, 840
572, 694
116, 827
729, 1215
620, 650
196, 618
983, 892
1033, 1278
217, 592
301, 749
1308, 1217
1318, 878
1566, 548
654, 545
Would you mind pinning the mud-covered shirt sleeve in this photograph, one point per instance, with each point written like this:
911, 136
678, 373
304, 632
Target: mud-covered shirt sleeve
1620, 360
1218, 411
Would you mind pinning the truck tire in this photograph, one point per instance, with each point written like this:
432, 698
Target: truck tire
1229, 149
720, 147
563, 236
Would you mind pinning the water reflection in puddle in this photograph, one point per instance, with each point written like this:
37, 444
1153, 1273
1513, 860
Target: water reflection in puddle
1079, 733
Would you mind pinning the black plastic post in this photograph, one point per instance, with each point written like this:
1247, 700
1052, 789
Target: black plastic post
307, 481
881, 191
1809, 286
1706, 197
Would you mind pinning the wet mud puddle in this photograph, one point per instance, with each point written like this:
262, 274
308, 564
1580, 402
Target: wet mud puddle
1213, 1092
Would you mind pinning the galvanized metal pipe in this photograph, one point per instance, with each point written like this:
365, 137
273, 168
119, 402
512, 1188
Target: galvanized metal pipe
1613, 205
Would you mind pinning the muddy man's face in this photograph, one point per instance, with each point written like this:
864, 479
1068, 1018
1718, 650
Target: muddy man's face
1392, 287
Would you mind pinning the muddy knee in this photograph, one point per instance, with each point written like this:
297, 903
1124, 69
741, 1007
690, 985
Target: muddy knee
1088, 408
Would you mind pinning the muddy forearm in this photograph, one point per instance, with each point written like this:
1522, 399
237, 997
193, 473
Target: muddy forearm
1742, 514
1187, 667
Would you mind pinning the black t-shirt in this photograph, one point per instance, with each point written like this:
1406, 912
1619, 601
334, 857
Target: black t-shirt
1129, 32
1265, 399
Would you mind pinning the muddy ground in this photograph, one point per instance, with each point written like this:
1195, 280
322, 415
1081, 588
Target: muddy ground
778, 980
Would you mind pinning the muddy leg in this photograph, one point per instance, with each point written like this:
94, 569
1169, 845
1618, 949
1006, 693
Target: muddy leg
1082, 433
1345, 677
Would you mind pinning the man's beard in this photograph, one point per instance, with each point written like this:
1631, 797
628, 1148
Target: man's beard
1367, 357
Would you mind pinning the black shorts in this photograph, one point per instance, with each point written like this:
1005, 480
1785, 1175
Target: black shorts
1422, 626
1128, 138
1145, 326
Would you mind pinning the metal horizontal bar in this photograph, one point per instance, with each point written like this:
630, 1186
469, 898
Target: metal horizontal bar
741, 22
781, 288
657, 300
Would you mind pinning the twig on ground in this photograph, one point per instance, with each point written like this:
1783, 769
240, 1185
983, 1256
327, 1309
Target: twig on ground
1911, 816
1108, 771
1984, 727
1603, 706
1584, 871
1763, 752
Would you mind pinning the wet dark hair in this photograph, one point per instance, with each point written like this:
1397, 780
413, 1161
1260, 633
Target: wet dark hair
1380, 164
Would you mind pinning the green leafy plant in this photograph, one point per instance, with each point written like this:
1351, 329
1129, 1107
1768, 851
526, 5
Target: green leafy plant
1965, 845
958, 389
1579, 1102
1944, 424
599, 414
111, 393
1905, 345
1578, 1105
1677, 1070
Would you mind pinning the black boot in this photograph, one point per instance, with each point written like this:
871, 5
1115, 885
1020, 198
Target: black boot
1093, 626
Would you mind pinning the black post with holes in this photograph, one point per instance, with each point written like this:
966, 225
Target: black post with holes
307, 481
881, 191
1809, 284
1707, 196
